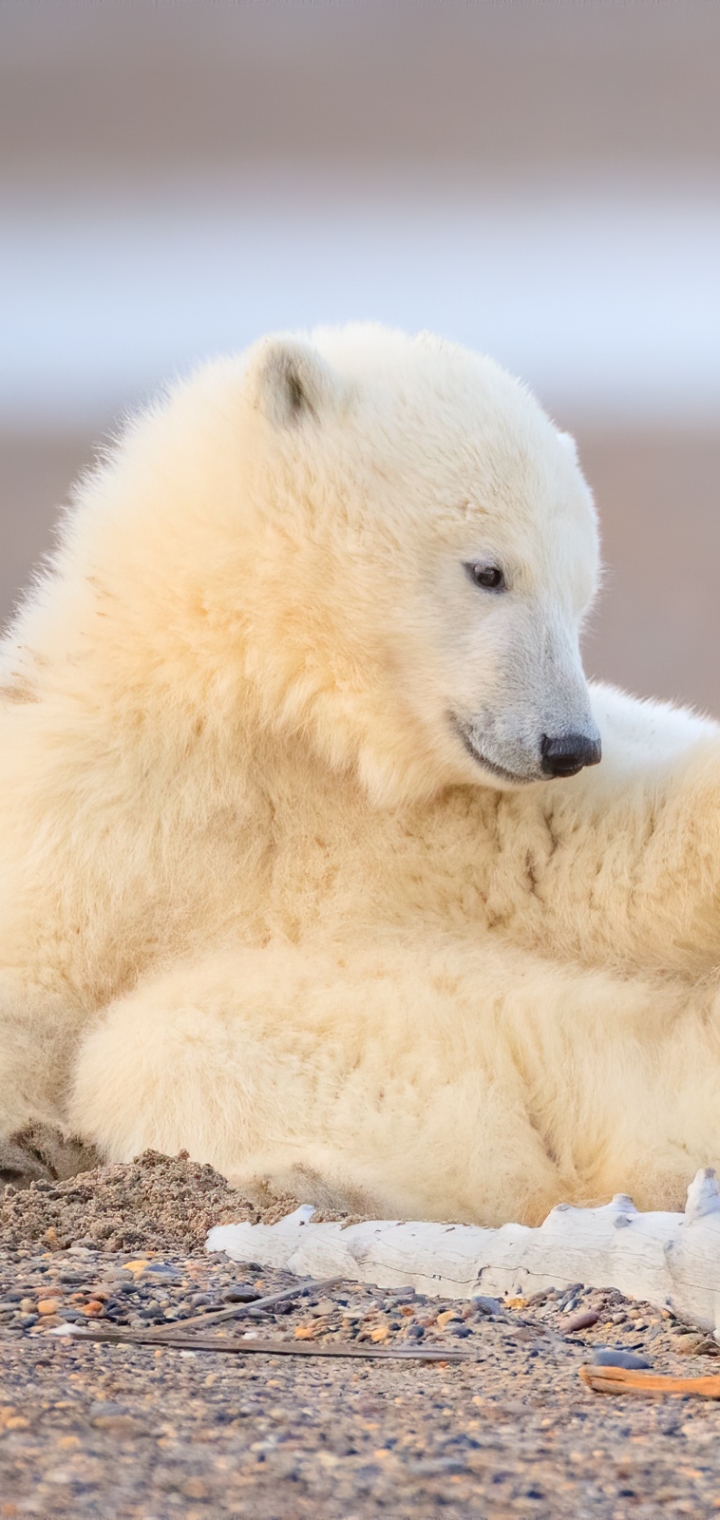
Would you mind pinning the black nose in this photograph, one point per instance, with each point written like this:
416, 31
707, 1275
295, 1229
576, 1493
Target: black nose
567, 754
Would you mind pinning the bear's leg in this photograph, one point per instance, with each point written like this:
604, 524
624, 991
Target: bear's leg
378, 1080
411, 1080
38, 1033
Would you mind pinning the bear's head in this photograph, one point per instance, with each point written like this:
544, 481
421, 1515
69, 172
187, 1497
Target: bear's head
375, 545
429, 550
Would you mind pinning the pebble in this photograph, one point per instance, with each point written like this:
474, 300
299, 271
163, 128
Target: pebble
582, 1321
693, 1342
605, 1356
489, 1306
325, 1306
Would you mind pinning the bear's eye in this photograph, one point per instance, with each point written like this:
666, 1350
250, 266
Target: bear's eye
490, 577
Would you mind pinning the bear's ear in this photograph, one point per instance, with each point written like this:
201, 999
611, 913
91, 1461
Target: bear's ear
289, 380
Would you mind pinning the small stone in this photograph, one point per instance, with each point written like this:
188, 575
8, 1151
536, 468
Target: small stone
604, 1356
325, 1306
48, 1306
536, 1300
305, 1332
381, 1333
692, 1343
195, 1488
119, 1425
581, 1321
488, 1306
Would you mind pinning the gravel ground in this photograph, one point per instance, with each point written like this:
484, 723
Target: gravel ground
148, 1432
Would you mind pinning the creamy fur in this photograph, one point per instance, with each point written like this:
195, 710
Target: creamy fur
259, 899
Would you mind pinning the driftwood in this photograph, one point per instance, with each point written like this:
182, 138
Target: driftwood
269, 1347
648, 1384
669, 1260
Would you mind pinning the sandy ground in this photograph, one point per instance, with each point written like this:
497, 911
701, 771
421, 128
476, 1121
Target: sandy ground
148, 1431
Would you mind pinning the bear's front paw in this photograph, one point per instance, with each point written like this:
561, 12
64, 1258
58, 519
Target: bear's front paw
41, 1153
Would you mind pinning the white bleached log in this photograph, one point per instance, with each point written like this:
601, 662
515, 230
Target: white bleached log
669, 1260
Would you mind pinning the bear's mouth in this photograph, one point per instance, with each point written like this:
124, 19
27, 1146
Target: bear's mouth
465, 735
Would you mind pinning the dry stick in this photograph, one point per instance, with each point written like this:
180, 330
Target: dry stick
272, 1348
624, 1380
236, 1311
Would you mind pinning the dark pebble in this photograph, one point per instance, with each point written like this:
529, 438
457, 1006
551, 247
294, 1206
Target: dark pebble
603, 1356
487, 1305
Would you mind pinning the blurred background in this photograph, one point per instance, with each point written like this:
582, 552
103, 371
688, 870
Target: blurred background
537, 178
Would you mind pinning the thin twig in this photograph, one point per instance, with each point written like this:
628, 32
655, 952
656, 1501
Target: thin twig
271, 1347
238, 1311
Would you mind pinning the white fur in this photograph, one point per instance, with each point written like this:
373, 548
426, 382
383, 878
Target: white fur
257, 897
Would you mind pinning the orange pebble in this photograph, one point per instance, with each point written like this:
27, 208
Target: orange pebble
48, 1306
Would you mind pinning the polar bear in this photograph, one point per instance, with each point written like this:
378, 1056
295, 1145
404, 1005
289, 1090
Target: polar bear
308, 865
